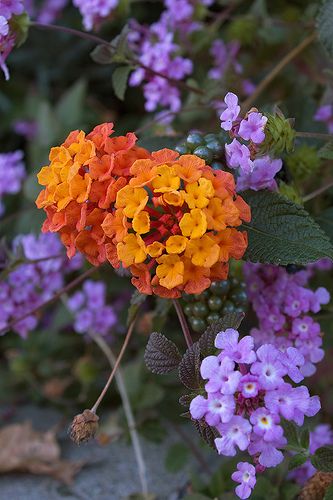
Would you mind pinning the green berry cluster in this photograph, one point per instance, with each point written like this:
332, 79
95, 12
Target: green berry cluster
220, 298
209, 147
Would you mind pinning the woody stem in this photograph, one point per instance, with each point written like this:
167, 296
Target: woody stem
183, 322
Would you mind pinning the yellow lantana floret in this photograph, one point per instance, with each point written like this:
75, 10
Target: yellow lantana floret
141, 222
193, 224
155, 249
131, 250
176, 244
199, 193
132, 200
203, 251
167, 180
170, 271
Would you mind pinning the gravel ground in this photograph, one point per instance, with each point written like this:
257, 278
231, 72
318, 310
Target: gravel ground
110, 473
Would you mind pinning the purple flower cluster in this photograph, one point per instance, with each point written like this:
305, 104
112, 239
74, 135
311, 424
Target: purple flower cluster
94, 11
12, 173
31, 284
156, 50
224, 55
325, 114
253, 172
322, 435
247, 394
90, 310
8, 9
283, 303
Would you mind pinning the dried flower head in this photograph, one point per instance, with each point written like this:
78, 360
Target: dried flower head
316, 486
84, 427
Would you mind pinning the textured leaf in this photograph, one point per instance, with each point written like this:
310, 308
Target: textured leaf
325, 220
305, 438
189, 367
207, 433
185, 399
207, 339
325, 26
119, 80
281, 232
297, 461
137, 300
161, 354
291, 433
323, 459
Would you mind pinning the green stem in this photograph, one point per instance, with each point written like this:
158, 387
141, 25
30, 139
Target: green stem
315, 135
318, 191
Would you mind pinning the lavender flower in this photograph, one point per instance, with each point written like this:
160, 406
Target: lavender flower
94, 11
238, 156
224, 56
234, 433
325, 114
12, 173
230, 115
252, 129
8, 9
246, 476
238, 351
261, 176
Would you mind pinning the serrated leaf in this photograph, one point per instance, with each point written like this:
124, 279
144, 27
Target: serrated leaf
119, 80
323, 459
161, 354
297, 461
176, 457
137, 300
189, 367
185, 399
325, 26
207, 433
329, 493
207, 339
282, 232
326, 152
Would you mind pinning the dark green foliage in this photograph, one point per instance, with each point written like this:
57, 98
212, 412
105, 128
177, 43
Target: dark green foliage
161, 354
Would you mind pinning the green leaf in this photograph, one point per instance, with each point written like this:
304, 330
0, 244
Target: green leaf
71, 105
291, 433
161, 354
325, 26
305, 438
325, 220
282, 232
323, 459
297, 461
119, 80
103, 54
189, 367
176, 457
137, 300
329, 493
326, 152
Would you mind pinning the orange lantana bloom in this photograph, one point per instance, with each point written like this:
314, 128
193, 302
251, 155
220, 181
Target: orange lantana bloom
174, 224
81, 183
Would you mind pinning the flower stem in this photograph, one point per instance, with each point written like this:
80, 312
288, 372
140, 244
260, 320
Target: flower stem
101, 41
116, 364
183, 322
315, 135
127, 410
318, 191
277, 69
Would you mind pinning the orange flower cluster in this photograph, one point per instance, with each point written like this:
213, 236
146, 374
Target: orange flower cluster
81, 184
170, 219
174, 224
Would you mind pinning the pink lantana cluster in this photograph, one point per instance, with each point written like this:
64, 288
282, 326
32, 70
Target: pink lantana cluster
283, 303
248, 391
253, 171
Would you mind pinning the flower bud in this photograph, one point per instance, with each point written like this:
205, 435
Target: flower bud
279, 135
303, 162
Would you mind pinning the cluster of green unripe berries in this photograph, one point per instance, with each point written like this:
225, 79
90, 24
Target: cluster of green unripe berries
220, 298
209, 147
